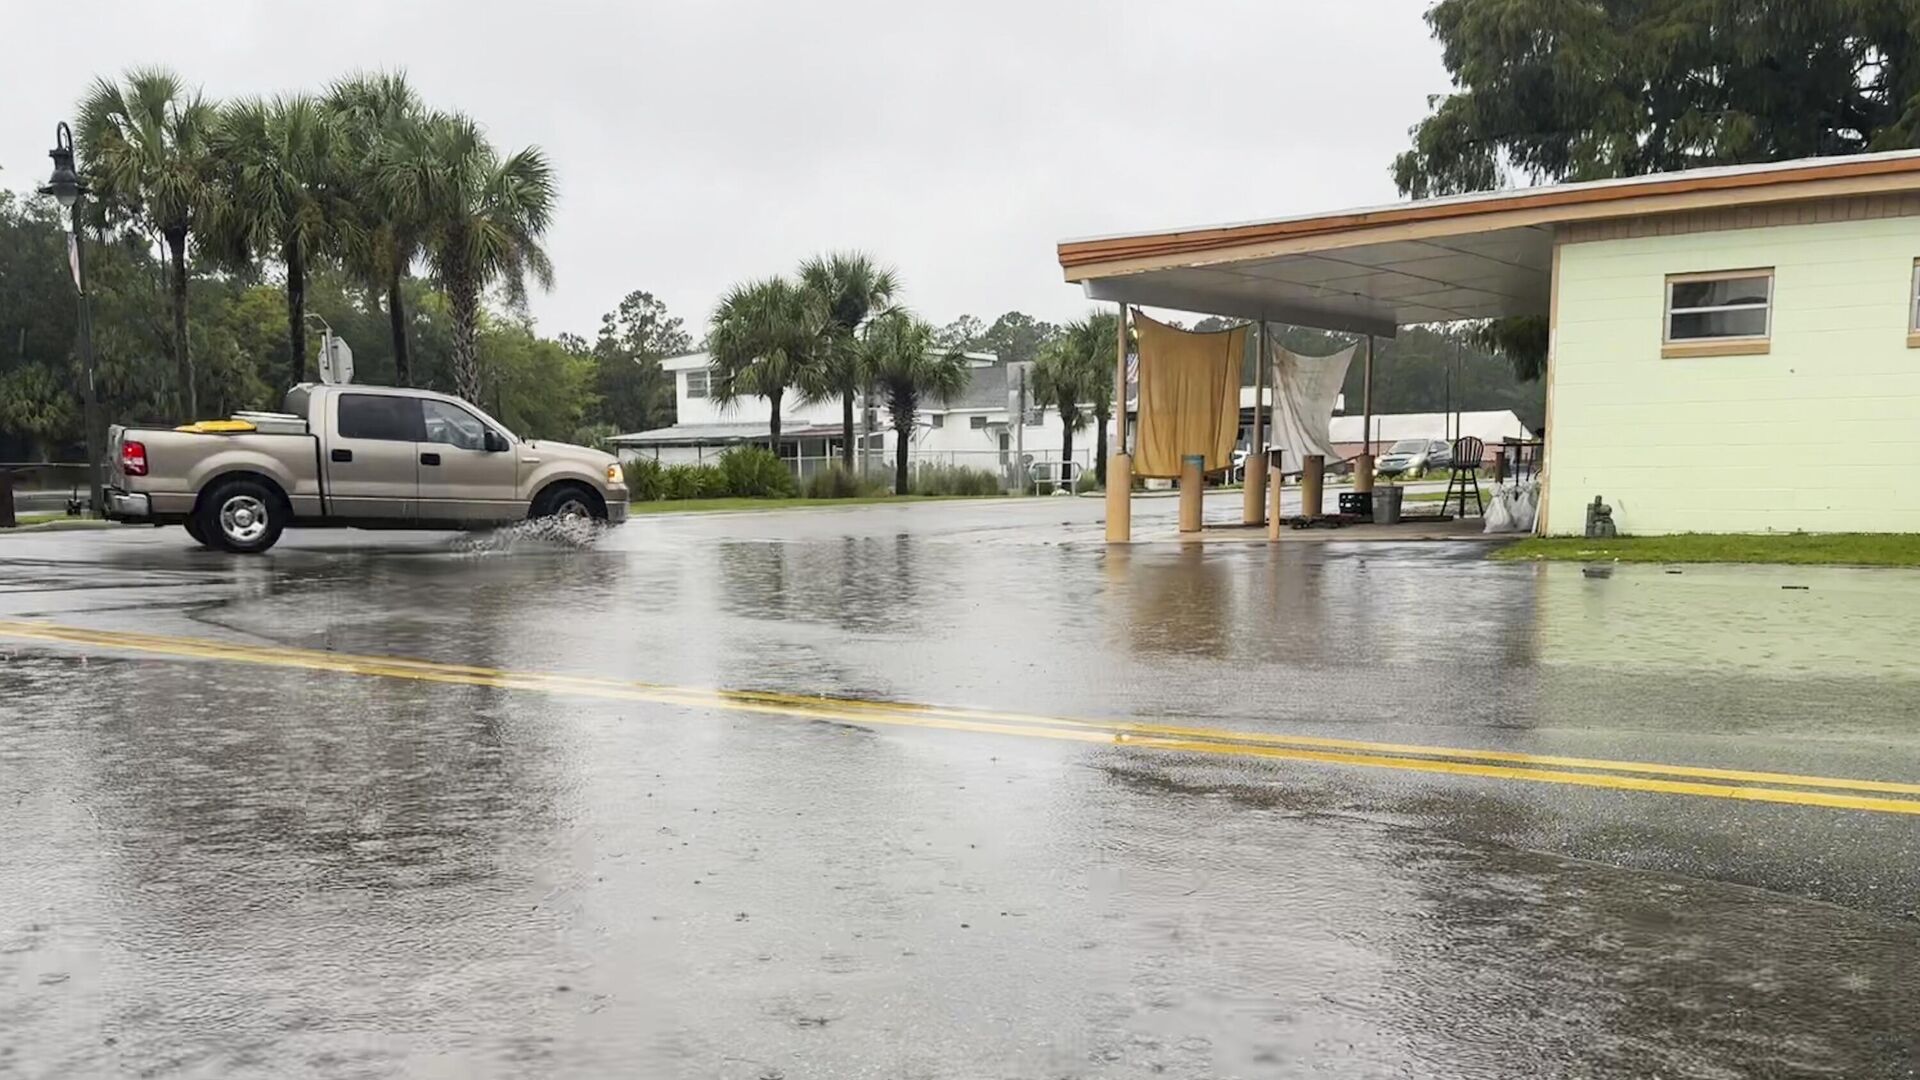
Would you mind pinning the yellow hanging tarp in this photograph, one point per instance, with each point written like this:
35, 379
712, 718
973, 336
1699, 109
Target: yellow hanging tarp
217, 427
1189, 396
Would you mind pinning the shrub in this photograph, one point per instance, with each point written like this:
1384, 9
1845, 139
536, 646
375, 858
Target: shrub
1088, 481
932, 479
839, 482
754, 472
644, 479
690, 482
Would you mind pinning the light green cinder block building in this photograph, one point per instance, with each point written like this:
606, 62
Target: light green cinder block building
1812, 424
1731, 350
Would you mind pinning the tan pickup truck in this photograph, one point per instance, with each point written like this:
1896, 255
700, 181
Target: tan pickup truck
369, 457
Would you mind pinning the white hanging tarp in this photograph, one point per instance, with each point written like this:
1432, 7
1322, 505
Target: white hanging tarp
1304, 391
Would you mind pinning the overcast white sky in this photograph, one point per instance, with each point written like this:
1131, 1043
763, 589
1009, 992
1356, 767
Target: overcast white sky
698, 143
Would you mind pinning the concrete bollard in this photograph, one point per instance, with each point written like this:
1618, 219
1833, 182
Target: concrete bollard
1119, 499
1313, 475
1253, 497
1276, 486
1363, 473
1192, 486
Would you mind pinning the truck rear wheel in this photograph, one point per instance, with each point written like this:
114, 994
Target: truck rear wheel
193, 529
242, 516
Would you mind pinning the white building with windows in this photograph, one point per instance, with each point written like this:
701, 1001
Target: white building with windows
976, 428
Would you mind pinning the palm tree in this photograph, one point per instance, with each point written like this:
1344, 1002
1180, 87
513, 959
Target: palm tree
851, 289
482, 217
1091, 343
766, 337
145, 145
905, 365
281, 162
1060, 380
376, 111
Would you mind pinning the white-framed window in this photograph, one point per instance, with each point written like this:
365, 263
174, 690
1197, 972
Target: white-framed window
938, 420
1723, 308
977, 422
697, 383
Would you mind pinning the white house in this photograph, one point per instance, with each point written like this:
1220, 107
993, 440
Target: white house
975, 428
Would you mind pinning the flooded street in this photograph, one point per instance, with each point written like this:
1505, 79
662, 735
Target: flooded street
948, 790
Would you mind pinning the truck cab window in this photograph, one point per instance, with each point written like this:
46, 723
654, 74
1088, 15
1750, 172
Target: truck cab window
452, 425
379, 416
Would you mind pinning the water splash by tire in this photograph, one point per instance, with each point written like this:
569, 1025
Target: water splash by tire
535, 534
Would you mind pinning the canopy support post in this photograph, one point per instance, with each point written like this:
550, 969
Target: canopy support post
1120, 465
1253, 479
1363, 465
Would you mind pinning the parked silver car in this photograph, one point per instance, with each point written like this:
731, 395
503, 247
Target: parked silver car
1412, 457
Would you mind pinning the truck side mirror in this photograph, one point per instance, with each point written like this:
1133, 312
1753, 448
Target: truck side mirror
494, 441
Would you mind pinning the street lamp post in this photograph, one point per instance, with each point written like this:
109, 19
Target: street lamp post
68, 188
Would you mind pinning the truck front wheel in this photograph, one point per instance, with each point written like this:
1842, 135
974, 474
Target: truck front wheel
242, 516
568, 501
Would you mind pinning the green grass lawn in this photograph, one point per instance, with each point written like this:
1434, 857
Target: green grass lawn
718, 506
1832, 549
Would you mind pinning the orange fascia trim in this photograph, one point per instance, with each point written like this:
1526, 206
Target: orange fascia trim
1076, 253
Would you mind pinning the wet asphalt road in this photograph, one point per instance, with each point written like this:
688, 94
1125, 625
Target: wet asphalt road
220, 868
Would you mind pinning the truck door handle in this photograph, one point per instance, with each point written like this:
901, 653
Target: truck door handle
429, 458
341, 455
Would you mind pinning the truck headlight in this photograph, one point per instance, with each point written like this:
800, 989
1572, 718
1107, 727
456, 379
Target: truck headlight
615, 475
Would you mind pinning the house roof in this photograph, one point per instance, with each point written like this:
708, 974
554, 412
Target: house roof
986, 389
687, 361
1476, 256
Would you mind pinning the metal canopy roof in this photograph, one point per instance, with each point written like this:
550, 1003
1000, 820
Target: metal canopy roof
1371, 289
1472, 256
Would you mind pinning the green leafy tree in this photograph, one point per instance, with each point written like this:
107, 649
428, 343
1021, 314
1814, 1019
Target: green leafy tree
378, 113
850, 288
963, 333
1016, 337
1551, 91
634, 393
536, 386
146, 147
484, 216
281, 163
38, 308
900, 353
766, 338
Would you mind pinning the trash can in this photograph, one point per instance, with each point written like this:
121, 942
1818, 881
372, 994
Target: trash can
1386, 504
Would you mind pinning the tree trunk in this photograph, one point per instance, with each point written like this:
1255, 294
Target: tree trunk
463, 304
773, 423
1066, 449
1100, 451
397, 319
296, 309
189, 398
846, 428
902, 437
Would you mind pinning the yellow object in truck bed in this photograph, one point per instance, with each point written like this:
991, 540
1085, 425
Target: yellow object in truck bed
217, 427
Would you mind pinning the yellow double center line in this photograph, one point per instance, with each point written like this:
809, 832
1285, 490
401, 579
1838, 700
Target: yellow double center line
1773, 787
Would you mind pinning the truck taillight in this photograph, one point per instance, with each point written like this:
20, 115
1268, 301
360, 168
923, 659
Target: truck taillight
133, 458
